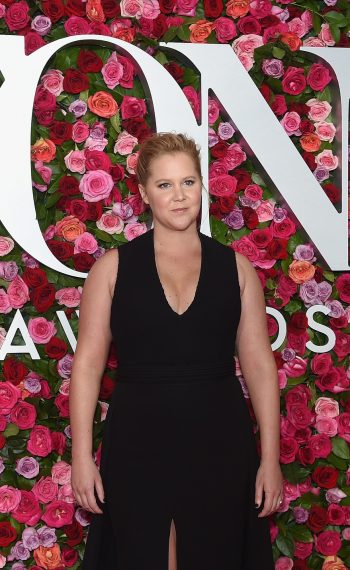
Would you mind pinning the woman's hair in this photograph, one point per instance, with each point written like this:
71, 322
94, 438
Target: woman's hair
162, 143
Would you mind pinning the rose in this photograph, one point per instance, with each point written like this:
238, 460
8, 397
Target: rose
288, 451
9, 396
225, 29
97, 160
7, 533
75, 81
310, 142
68, 185
45, 489
131, 8
325, 35
18, 293
321, 363
32, 42
342, 284
52, 81
328, 542
247, 44
326, 407
112, 71
43, 297
39, 442
28, 509
246, 247
63, 251
43, 150
41, 330
89, 62
86, 242
23, 414
291, 123
318, 77
28, 467
58, 514
75, 161
16, 16
212, 8
48, 557
111, 8
56, 348
54, 9
80, 131
127, 79
327, 159
76, 26
132, 107
294, 81
125, 143
102, 104
41, 24
70, 228
60, 132
200, 30
96, 185
326, 131
110, 223
319, 110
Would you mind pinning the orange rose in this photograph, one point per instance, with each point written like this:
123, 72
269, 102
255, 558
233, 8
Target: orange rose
200, 30
44, 150
237, 8
103, 104
333, 563
310, 142
125, 34
301, 271
292, 41
94, 11
48, 557
70, 228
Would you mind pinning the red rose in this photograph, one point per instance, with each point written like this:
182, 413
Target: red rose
318, 518
342, 344
16, 16
32, 42
89, 62
54, 9
127, 79
278, 105
269, 21
277, 249
95, 210
243, 179
321, 363
261, 237
56, 348
219, 150
325, 477
117, 172
333, 192
34, 277
62, 404
342, 284
74, 533
69, 557
298, 323
100, 29
297, 341
97, 160
7, 533
77, 208
43, 297
300, 108
288, 449
306, 455
58, 442
309, 159
294, 81
62, 250
106, 388
83, 261
250, 217
68, 185
133, 107
76, 8
14, 370
226, 203
167, 6
60, 132
137, 127
222, 185
111, 8
318, 77
44, 100
249, 25
131, 183
339, 323
175, 71
23, 414
328, 380
213, 8
283, 229
321, 445
328, 542
266, 92
75, 81
299, 415
160, 26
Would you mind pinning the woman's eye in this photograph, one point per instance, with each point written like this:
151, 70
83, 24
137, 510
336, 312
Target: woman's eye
190, 182
162, 184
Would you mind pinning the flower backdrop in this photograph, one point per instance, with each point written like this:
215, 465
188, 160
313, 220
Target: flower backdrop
90, 114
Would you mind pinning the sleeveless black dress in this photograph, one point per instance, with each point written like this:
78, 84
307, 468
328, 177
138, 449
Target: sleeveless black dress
178, 439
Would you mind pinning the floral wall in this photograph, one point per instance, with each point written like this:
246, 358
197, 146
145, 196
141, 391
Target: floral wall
90, 115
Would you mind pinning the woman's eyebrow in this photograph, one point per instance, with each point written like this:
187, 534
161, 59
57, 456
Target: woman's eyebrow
163, 179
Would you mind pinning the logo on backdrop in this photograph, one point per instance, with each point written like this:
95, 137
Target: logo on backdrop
294, 183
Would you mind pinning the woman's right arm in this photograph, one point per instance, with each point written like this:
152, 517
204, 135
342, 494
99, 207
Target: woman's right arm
93, 345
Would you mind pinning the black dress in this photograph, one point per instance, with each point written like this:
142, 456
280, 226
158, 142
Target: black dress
178, 438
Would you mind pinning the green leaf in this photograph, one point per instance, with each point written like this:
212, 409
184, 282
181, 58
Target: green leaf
285, 545
316, 22
334, 29
329, 276
295, 473
336, 18
278, 52
293, 306
301, 533
84, 95
115, 122
11, 430
340, 447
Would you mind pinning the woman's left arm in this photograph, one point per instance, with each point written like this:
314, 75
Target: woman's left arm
260, 373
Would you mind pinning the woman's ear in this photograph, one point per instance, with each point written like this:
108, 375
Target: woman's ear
143, 193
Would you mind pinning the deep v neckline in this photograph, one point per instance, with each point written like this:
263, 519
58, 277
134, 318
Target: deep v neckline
160, 286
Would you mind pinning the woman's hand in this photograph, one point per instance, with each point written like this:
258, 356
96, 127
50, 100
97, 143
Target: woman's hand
85, 477
269, 479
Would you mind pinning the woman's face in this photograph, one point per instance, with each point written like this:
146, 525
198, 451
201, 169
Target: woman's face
173, 184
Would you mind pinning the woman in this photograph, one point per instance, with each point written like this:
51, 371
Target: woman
179, 456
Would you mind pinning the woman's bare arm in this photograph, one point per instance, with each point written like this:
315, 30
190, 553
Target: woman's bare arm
257, 361
94, 339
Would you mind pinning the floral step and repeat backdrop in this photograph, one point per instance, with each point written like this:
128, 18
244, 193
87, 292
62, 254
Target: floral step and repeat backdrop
90, 114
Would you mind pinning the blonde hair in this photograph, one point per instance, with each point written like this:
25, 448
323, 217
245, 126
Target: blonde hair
162, 143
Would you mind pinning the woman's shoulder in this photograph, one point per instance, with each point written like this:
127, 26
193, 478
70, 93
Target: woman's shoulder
105, 269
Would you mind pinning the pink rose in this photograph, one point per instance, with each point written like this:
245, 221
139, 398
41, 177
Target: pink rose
246, 247
321, 445
291, 123
65, 492
326, 407
213, 111
28, 509
96, 185
9, 395
223, 185
325, 35
75, 161
327, 159
318, 77
150, 9
265, 211
296, 367
325, 131
40, 442
61, 472
225, 29
254, 192
193, 99
247, 43
246, 60
2, 10
284, 563
41, 330
235, 155
5, 305
297, 27
131, 8
53, 81
134, 229
80, 131
68, 296
6, 245
319, 110
133, 107
327, 542
110, 223
313, 42
9, 498
186, 7
75, 26
23, 414
18, 292
131, 162
112, 71
85, 242
45, 489
125, 143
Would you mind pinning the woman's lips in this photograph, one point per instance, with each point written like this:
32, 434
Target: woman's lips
179, 210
